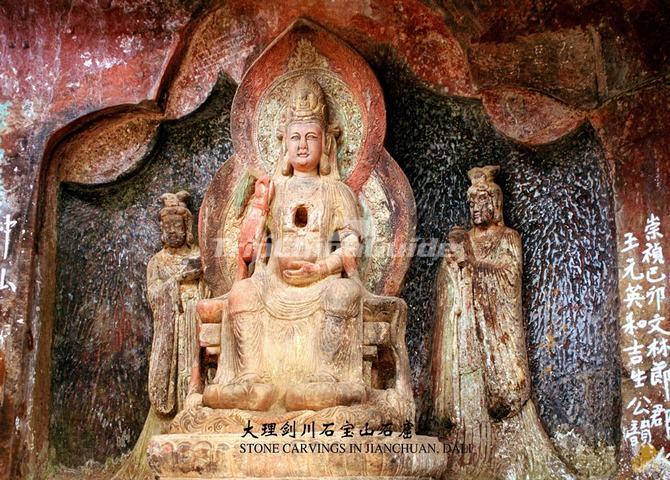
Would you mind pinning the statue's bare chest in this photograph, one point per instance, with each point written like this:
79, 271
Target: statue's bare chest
303, 209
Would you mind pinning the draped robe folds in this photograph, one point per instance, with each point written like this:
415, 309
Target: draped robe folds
481, 384
496, 293
459, 387
289, 328
455, 367
174, 346
173, 350
480, 333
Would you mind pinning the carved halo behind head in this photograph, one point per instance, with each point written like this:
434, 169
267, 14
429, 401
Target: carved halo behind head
310, 79
355, 102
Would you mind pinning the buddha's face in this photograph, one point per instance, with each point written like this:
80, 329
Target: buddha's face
481, 208
305, 146
173, 231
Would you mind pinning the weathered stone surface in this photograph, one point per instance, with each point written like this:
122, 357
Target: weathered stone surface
529, 117
365, 166
628, 36
41, 66
480, 379
3, 375
103, 327
174, 287
107, 149
123, 45
633, 44
307, 124
559, 200
217, 456
560, 64
236, 33
638, 150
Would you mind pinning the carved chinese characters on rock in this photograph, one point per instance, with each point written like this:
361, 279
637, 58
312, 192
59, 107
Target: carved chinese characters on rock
480, 375
645, 335
7, 227
6, 286
174, 286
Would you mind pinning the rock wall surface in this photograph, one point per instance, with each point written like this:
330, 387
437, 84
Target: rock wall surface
489, 80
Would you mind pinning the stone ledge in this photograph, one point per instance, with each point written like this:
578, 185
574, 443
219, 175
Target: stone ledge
223, 456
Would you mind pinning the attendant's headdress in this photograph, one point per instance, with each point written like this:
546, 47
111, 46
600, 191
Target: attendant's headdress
482, 180
175, 204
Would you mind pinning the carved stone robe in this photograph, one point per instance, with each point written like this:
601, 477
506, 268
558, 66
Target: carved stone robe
481, 380
172, 352
480, 333
286, 331
174, 346
497, 305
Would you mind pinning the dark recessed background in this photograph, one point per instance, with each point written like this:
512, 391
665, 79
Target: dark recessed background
559, 199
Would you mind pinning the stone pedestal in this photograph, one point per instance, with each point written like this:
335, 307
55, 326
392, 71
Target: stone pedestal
223, 456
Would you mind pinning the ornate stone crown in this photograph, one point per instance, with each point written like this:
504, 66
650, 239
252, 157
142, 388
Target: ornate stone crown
307, 102
483, 175
175, 204
483, 180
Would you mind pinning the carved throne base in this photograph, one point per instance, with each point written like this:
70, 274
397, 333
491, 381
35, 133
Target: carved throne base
223, 456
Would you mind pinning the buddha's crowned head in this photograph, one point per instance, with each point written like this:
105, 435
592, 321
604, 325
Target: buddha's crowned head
485, 196
308, 138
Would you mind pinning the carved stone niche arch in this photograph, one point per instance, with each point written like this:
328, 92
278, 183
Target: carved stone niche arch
356, 103
103, 234
103, 154
107, 149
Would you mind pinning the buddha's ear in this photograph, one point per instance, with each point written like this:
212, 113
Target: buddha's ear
284, 165
324, 161
334, 130
328, 164
281, 128
281, 136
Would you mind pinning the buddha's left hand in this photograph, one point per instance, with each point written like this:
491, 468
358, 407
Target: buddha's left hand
302, 272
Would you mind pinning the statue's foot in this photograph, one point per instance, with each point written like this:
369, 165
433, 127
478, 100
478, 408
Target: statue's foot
317, 396
322, 377
243, 395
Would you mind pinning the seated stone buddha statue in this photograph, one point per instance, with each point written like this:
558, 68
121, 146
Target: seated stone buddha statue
292, 336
